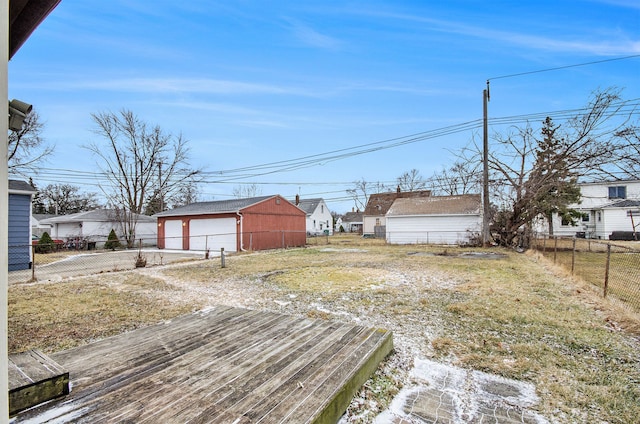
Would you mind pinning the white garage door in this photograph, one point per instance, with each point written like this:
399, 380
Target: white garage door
213, 234
173, 234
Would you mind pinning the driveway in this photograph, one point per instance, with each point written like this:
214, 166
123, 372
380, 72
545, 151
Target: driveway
99, 262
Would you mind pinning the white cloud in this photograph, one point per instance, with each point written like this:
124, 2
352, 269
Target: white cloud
617, 44
311, 37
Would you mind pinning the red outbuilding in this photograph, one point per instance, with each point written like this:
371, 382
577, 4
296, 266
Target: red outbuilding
256, 223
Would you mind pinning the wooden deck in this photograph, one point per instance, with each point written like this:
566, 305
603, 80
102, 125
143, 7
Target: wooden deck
223, 365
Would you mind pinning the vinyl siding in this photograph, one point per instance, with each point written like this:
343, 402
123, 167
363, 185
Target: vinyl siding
19, 232
436, 229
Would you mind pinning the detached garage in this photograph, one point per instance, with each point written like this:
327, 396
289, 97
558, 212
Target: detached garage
435, 220
256, 223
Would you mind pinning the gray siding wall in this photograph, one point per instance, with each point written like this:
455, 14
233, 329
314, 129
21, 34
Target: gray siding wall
19, 232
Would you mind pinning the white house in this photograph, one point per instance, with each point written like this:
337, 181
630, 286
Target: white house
96, 225
319, 219
37, 228
606, 207
350, 222
434, 219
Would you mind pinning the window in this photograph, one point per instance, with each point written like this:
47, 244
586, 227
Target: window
321, 208
599, 216
585, 217
618, 192
566, 222
377, 222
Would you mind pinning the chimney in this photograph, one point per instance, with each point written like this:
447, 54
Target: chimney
297, 199
398, 189
353, 209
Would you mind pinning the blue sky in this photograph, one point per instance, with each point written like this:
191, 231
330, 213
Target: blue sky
254, 82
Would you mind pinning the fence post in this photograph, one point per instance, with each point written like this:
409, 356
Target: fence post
544, 245
573, 256
33, 263
283, 239
222, 264
606, 271
555, 248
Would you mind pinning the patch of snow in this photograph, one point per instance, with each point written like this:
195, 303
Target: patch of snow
333, 249
460, 396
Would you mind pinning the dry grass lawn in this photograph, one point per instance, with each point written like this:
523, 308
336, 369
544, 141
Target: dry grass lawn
510, 314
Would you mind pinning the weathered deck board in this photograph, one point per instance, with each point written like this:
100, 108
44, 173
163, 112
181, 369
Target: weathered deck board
33, 379
224, 365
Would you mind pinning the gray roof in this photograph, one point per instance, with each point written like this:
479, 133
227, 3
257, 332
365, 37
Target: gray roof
309, 205
97, 215
627, 203
42, 216
353, 217
465, 204
215, 207
379, 203
18, 185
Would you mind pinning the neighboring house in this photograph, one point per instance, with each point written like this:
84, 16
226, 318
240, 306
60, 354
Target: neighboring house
350, 222
19, 231
37, 228
435, 220
607, 207
319, 217
373, 220
256, 223
95, 226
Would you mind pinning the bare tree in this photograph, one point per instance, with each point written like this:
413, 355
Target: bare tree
26, 148
361, 191
61, 199
627, 164
185, 194
411, 181
463, 177
247, 190
538, 176
136, 159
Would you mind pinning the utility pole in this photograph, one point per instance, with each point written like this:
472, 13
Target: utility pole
485, 167
160, 185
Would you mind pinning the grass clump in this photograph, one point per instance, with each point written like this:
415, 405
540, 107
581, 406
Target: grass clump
53, 317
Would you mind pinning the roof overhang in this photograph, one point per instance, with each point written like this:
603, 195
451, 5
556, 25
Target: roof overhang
24, 18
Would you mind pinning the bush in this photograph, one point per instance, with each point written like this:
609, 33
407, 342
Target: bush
113, 242
45, 244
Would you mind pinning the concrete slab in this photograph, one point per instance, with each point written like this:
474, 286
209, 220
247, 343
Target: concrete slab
445, 394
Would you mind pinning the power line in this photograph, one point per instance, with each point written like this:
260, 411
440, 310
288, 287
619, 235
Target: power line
629, 107
564, 67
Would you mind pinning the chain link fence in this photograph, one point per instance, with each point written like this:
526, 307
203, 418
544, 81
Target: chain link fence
75, 256
613, 267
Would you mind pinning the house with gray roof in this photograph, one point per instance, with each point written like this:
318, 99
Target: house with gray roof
95, 226
319, 219
607, 207
434, 220
350, 222
256, 223
378, 204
